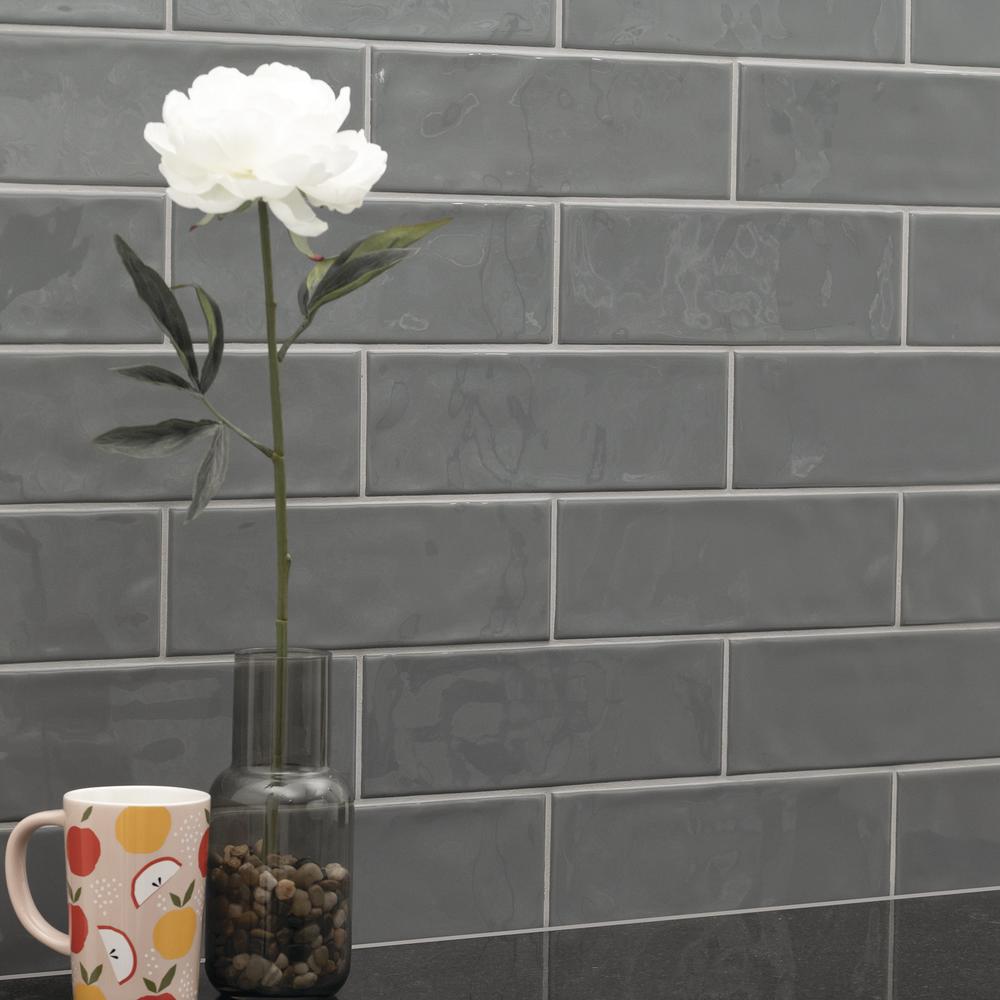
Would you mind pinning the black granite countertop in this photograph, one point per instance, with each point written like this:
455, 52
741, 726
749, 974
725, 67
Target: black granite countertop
942, 948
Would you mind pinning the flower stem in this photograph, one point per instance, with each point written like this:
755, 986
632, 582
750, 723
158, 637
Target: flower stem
284, 559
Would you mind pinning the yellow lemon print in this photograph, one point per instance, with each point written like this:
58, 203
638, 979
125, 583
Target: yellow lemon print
82, 991
142, 829
173, 934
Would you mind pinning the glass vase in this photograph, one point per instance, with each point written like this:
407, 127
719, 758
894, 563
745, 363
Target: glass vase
278, 911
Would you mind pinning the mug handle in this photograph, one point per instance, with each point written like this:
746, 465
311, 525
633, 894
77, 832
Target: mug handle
17, 880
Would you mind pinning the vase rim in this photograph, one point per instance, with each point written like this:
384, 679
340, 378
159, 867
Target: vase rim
299, 652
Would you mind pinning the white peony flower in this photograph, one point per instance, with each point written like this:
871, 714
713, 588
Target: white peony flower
273, 135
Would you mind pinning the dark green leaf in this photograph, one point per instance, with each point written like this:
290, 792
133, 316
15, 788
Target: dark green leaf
86, 814
77, 894
190, 890
209, 478
155, 375
167, 979
153, 440
397, 236
208, 816
216, 341
150, 985
152, 289
175, 899
95, 975
84, 975
342, 279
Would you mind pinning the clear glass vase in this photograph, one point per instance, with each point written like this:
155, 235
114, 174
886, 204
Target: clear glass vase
278, 913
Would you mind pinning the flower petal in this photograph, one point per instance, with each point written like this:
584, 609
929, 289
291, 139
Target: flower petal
346, 189
296, 215
216, 201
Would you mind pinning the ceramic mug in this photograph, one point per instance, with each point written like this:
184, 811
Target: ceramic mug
136, 857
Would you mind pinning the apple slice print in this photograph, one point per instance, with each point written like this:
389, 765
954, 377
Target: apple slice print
152, 877
120, 951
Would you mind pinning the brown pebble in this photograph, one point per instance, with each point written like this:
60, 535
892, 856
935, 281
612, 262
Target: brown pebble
316, 896
303, 982
261, 895
329, 901
248, 873
267, 881
281, 961
247, 920
240, 962
321, 955
272, 977
307, 875
235, 911
336, 872
300, 968
340, 937
339, 918
285, 889
240, 851
300, 903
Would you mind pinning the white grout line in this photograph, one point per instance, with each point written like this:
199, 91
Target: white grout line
557, 227
724, 714
547, 863
164, 571
734, 126
558, 23
368, 91
730, 419
904, 280
471, 648
6, 977
893, 826
363, 426
168, 15
674, 918
907, 32
359, 687
553, 567
898, 609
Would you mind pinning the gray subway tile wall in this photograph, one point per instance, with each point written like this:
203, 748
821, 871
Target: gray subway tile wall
706, 353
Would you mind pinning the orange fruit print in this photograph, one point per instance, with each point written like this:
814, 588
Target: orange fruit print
173, 934
142, 829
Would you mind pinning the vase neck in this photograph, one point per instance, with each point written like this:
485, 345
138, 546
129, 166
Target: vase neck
306, 714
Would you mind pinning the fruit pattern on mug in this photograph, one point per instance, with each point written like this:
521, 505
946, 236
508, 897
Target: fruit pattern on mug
135, 881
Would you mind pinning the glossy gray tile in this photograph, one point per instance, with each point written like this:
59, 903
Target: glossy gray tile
447, 722
52, 406
698, 276
655, 567
951, 550
857, 135
954, 296
819, 953
104, 13
78, 586
522, 124
856, 701
947, 828
863, 29
19, 951
453, 867
363, 575
872, 420
78, 105
959, 33
486, 276
619, 855
161, 724
454, 423
519, 22
62, 281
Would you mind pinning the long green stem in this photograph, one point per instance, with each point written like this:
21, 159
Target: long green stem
262, 448
284, 558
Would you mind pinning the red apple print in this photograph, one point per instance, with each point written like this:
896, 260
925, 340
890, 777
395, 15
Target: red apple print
83, 850
203, 853
77, 929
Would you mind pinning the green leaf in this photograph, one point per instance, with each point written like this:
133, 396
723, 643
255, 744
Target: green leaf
209, 479
203, 221
190, 890
175, 899
303, 247
86, 814
150, 985
216, 340
167, 979
342, 279
397, 236
208, 816
95, 975
152, 289
153, 440
77, 894
155, 375
84, 975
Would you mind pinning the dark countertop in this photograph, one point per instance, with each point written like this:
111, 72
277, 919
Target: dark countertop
944, 948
